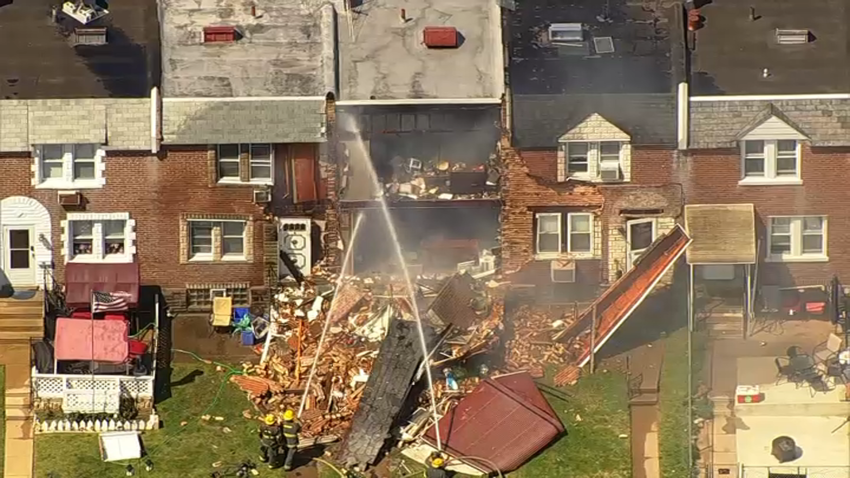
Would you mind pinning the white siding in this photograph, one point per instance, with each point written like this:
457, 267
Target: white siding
774, 128
25, 211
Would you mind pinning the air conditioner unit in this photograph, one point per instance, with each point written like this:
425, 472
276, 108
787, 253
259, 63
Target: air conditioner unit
70, 198
262, 196
609, 171
563, 271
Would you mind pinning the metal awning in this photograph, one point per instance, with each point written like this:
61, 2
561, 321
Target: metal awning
82, 279
721, 233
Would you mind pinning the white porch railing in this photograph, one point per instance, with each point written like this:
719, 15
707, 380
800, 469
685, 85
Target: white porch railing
90, 393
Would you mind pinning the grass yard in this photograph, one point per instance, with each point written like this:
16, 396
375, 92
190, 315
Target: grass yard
177, 452
673, 439
595, 414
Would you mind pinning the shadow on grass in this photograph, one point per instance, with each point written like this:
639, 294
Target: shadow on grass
188, 378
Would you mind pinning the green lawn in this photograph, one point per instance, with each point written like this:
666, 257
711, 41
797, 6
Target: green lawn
177, 452
595, 413
673, 439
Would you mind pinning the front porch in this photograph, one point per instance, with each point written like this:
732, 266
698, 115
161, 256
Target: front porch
22, 316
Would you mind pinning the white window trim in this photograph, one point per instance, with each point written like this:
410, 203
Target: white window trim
67, 180
548, 255
238, 180
211, 257
797, 240
594, 158
770, 177
591, 232
99, 256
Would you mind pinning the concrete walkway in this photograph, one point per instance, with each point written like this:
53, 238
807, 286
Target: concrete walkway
645, 366
19, 416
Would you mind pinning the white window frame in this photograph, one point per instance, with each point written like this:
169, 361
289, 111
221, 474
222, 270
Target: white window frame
797, 233
69, 160
216, 253
771, 154
245, 148
633, 254
594, 158
99, 251
570, 233
559, 232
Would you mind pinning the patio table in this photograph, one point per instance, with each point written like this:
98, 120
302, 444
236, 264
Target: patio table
802, 364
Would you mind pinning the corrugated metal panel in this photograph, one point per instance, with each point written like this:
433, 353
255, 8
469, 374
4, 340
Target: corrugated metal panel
495, 423
722, 233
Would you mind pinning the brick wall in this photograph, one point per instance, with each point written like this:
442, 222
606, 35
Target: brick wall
157, 191
713, 179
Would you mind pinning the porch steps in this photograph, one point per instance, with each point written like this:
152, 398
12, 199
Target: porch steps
725, 323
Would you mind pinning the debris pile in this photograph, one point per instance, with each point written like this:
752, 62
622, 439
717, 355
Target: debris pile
298, 319
413, 178
532, 347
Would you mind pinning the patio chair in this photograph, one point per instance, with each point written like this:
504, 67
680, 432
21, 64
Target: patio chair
818, 384
783, 370
823, 352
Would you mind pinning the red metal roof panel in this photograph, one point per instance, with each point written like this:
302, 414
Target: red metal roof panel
495, 423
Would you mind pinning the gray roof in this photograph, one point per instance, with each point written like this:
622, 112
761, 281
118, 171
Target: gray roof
719, 124
385, 58
732, 50
539, 120
115, 123
238, 121
286, 49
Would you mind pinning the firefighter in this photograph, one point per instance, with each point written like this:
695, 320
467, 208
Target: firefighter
290, 435
270, 437
436, 466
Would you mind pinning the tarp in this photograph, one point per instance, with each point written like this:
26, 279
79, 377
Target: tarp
505, 420
85, 339
82, 279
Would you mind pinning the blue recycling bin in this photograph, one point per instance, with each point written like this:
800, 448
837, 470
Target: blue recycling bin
248, 338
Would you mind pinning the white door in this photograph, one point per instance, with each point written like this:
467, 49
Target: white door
19, 255
639, 236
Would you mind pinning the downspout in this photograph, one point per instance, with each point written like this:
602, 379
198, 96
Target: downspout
682, 116
155, 119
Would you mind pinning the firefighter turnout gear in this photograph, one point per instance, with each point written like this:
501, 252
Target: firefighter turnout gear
290, 436
436, 467
270, 439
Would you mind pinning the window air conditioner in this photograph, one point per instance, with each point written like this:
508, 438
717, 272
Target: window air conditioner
262, 196
563, 271
70, 198
609, 171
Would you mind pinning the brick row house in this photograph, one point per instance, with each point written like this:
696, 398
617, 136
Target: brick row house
591, 153
418, 125
201, 190
765, 152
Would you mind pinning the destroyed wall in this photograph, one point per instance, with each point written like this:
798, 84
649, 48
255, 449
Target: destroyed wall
524, 192
714, 179
385, 394
434, 240
418, 152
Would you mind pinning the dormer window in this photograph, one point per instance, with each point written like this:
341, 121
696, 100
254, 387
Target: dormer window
770, 161
594, 160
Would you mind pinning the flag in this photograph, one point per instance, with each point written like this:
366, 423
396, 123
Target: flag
106, 302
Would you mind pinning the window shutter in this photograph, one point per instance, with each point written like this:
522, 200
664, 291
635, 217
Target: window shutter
130, 237
66, 240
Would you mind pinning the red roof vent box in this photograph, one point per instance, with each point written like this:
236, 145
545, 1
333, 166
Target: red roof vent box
220, 34
441, 37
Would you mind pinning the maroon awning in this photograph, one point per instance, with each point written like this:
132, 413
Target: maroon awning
82, 279
505, 420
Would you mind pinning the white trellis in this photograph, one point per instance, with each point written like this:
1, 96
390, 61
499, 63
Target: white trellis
91, 393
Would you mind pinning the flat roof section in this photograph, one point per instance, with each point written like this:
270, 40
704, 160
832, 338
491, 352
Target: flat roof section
278, 48
383, 56
624, 47
732, 50
41, 58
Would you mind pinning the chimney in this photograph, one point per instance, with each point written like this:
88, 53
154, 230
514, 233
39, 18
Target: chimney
254, 11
